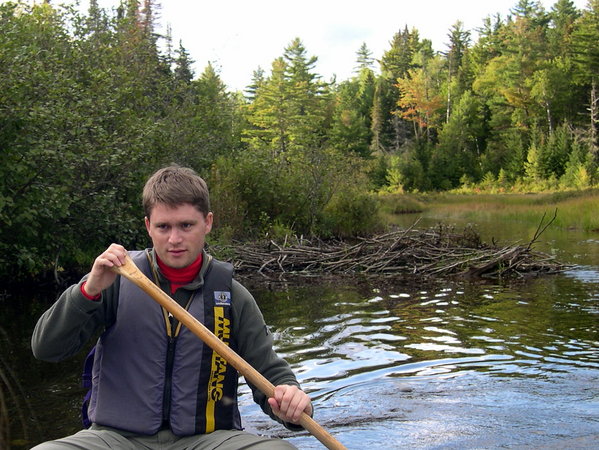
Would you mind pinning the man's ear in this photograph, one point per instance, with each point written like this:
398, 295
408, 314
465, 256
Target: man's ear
147, 222
209, 220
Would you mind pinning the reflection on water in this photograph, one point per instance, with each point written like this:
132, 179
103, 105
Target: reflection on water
390, 363
452, 365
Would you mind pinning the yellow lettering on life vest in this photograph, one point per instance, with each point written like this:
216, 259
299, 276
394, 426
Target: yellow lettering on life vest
222, 330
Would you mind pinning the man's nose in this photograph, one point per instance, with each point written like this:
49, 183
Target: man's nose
175, 236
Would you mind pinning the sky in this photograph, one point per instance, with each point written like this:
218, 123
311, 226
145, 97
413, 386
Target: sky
239, 36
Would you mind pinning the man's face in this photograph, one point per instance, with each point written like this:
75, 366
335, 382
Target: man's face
178, 233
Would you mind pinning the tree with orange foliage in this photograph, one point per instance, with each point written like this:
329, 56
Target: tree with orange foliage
421, 101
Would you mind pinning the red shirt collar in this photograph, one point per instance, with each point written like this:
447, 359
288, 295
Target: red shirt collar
182, 276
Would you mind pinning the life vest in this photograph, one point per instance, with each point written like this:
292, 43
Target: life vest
147, 375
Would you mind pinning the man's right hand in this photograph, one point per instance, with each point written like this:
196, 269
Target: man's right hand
101, 276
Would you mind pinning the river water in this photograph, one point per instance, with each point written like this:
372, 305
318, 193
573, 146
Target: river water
396, 363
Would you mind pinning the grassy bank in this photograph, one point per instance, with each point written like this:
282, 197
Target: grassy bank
575, 209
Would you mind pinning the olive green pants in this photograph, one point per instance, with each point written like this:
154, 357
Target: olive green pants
97, 438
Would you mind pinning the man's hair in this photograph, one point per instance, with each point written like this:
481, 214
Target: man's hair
174, 186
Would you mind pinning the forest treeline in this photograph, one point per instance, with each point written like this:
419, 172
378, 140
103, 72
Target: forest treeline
93, 102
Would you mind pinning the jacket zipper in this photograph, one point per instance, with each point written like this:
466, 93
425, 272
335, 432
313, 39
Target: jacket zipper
172, 334
168, 381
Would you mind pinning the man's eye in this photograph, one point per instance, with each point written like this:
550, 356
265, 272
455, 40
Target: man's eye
186, 226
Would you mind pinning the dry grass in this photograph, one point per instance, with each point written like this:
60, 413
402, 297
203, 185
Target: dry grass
575, 209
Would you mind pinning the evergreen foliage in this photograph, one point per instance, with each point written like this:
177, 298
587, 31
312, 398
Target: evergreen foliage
90, 106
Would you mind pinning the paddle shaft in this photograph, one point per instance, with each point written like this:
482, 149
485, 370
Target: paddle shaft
130, 271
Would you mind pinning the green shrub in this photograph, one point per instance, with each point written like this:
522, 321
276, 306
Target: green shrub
351, 213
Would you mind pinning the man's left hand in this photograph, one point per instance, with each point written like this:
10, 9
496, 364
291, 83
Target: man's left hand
289, 402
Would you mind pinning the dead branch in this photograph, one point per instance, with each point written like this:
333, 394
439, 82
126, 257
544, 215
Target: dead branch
540, 230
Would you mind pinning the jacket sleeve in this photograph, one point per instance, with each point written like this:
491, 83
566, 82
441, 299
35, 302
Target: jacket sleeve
255, 345
70, 322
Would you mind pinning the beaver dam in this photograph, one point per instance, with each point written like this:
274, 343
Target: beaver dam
438, 251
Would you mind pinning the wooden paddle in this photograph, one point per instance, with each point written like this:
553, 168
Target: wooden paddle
130, 271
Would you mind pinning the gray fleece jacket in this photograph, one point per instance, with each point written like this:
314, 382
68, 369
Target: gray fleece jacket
64, 329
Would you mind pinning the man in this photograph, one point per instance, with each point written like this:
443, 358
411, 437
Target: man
155, 384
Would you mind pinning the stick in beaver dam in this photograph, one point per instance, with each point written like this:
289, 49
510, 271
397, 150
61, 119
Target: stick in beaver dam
438, 251
130, 271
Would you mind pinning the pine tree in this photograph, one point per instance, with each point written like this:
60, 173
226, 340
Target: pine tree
585, 54
292, 108
350, 132
576, 173
490, 44
378, 117
507, 78
351, 129
270, 114
364, 59
399, 59
183, 65
365, 95
563, 15
390, 132
533, 11
308, 96
461, 140
256, 83
459, 41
